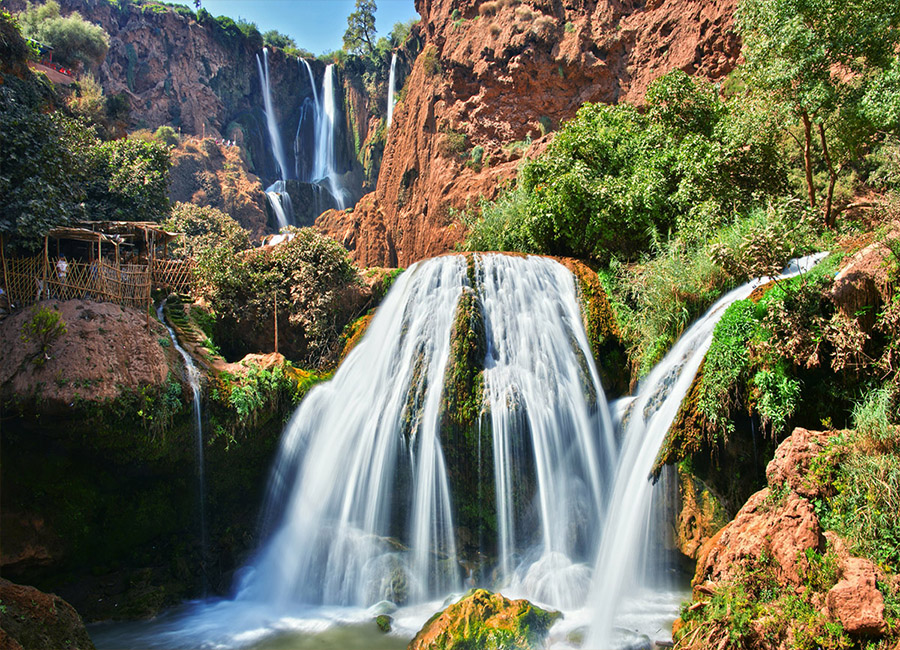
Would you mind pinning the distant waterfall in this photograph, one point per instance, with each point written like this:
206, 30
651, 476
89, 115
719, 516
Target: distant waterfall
391, 83
271, 122
620, 576
278, 197
324, 167
309, 117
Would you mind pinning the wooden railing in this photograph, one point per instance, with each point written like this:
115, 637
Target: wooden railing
30, 280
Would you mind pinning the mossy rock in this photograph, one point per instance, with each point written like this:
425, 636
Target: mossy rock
486, 621
610, 355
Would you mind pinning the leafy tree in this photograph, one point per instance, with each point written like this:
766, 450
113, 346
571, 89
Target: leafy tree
401, 32
311, 278
360, 35
815, 60
205, 228
274, 38
74, 40
130, 181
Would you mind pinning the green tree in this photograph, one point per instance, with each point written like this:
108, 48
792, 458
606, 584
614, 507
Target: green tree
815, 59
360, 35
128, 180
75, 41
204, 228
274, 38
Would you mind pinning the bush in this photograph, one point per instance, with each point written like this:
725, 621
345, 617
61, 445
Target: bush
205, 228
75, 41
167, 136
130, 181
274, 38
311, 278
45, 326
613, 176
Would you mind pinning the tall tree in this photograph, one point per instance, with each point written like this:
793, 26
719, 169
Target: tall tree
360, 35
815, 59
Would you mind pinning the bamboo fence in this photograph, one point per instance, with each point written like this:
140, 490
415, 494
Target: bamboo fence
30, 280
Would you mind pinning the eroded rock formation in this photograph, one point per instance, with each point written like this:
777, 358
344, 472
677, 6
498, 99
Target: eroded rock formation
494, 76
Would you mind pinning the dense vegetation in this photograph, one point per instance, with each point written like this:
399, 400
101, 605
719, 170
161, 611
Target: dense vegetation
55, 169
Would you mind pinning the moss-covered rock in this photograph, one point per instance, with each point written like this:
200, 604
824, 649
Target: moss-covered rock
465, 433
609, 351
486, 621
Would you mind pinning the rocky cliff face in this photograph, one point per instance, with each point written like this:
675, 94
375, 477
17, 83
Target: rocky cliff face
201, 75
494, 76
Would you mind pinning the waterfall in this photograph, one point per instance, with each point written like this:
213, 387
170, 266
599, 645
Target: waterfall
271, 122
193, 377
391, 82
360, 475
324, 167
388, 520
281, 204
549, 418
309, 112
275, 193
620, 572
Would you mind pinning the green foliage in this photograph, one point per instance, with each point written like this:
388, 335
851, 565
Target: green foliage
14, 51
130, 179
431, 63
792, 50
777, 396
274, 38
166, 135
44, 328
726, 365
360, 35
74, 40
476, 156
613, 176
401, 32
310, 276
205, 229
43, 163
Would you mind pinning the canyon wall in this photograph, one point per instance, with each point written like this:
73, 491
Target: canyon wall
492, 80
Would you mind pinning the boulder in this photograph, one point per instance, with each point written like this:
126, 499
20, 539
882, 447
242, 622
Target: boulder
782, 529
485, 620
33, 620
792, 460
856, 601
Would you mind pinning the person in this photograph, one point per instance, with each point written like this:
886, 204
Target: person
62, 270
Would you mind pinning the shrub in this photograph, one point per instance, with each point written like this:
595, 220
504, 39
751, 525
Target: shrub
75, 41
166, 135
44, 328
431, 64
205, 228
274, 38
453, 143
311, 278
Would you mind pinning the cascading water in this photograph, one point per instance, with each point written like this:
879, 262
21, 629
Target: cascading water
621, 577
549, 419
278, 197
391, 83
325, 168
307, 125
193, 377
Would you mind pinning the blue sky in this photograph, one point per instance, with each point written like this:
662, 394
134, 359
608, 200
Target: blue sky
316, 25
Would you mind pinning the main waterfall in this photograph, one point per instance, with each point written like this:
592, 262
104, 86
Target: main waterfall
385, 528
278, 197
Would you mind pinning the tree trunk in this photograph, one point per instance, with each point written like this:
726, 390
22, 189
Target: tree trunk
807, 158
832, 178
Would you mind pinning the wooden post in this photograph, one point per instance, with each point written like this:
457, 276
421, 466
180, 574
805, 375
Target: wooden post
275, 306
5, 274
44, 288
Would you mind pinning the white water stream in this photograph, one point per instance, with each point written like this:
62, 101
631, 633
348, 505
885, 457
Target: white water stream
392, 82
359, 507
193, 377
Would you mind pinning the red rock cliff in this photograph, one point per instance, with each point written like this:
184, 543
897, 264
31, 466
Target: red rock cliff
496, 72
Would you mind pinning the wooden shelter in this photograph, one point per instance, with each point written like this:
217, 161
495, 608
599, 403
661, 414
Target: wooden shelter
107, 261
